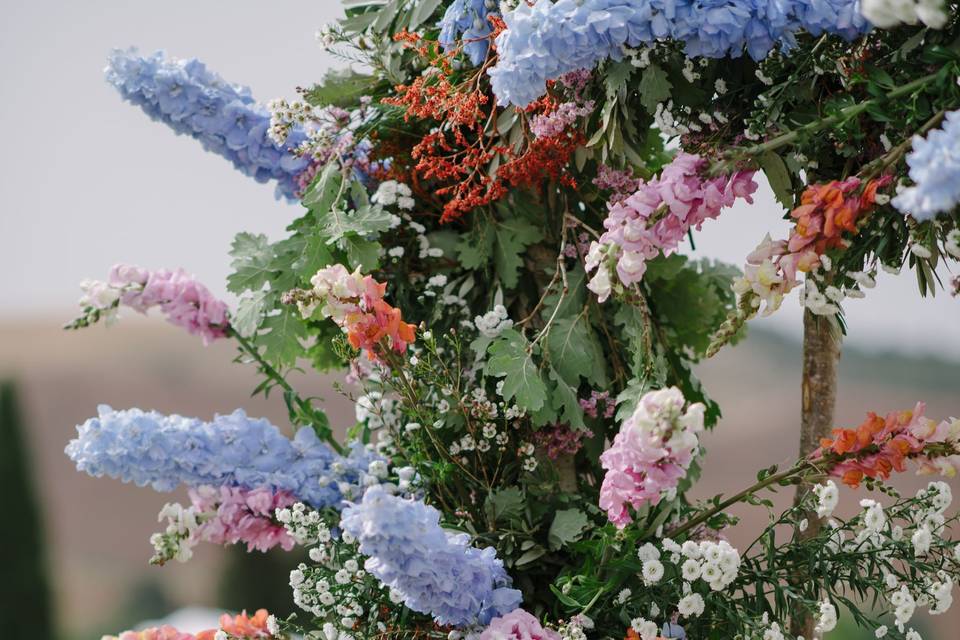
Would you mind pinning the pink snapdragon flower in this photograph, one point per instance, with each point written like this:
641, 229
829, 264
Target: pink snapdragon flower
242, 515
650, 454
517, 625
181, 298
658, 215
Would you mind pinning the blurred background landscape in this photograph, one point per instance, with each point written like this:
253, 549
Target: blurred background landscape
88, 181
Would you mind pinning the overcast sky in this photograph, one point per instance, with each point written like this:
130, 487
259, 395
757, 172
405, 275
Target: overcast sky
87, 180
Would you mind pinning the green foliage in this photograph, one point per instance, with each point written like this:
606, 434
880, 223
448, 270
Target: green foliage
25, 600
511, 358
654, 87
567, 526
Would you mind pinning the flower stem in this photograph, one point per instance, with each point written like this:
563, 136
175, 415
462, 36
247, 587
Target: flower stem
844, 114
795, 471
301, 410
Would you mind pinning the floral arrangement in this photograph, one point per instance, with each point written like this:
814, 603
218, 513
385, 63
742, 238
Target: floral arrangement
487, 212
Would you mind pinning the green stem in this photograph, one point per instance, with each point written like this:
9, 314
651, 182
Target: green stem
844, 114
775, 478
306, 409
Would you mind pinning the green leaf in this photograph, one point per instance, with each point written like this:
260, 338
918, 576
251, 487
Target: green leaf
510, 360
365, 221
654, 87
249, 311
564, 399
421, 12
362, 253
778, 176
475, 248
252, 255
281, 342
313, 255
504, 505
567, 527
322, 194
576, 297
574, 350
616, 76
513, 236
340, 87
531, 555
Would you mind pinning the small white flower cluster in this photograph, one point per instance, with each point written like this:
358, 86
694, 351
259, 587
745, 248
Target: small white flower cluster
887, 14
378, 411
303, 524
825, 299
335, 587
874, 521
826, 619
715, 563
435, 285
177, 541
771, 630
925, 518
666, 122
391, 192
576, 628
646, 629
284, 116
828, 496
424, 249
952, 243
494, 322
328, 35
639, 58
904, 606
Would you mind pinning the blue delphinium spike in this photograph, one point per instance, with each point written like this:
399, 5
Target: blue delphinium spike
194, 101
149, 448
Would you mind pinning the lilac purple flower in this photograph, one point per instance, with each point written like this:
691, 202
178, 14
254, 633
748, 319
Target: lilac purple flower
194, 101
149, 448
431, 570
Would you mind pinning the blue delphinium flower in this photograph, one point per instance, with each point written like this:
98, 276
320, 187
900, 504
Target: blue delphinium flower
935, 168
225, 118
150, 448
548, 39
467, 20
433, 571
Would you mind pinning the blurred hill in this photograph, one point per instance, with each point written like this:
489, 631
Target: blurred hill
98, 528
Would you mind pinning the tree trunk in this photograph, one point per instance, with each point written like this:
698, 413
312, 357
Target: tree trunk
821, 352
567, 470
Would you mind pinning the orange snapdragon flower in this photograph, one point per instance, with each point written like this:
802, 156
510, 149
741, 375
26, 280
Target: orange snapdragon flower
827, 210
877, 446
241, 626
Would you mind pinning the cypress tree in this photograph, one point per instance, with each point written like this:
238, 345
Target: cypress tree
25, 603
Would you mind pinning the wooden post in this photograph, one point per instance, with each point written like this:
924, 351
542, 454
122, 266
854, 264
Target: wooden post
821, 353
